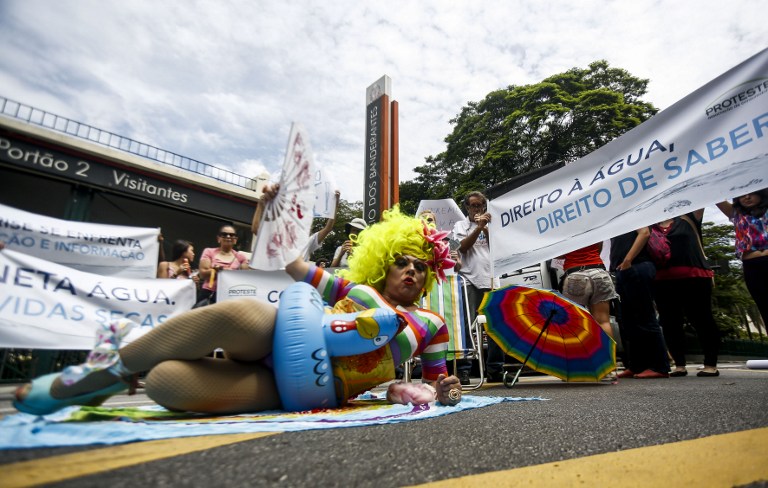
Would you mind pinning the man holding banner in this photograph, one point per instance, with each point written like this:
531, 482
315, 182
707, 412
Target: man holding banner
474, 254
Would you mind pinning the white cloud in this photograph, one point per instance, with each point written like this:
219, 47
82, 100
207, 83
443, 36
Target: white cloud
221, 83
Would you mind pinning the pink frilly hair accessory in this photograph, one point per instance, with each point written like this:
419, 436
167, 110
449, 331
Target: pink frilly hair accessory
441, 259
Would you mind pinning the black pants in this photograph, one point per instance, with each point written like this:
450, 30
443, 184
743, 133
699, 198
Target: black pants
689, 298
756, 278
643, 339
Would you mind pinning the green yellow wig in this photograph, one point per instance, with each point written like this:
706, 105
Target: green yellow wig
377, 247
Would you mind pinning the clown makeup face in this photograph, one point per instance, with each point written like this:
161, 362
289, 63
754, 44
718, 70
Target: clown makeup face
405, 281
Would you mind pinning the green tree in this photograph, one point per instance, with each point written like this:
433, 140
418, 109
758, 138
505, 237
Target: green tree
521, 128
411, 193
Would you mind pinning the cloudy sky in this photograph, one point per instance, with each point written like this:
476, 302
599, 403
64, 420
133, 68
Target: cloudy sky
221, 82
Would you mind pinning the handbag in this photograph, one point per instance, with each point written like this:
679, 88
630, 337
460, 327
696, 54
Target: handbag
210, 299
658, 247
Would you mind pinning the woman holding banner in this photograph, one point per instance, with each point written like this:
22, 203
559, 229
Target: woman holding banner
683, 290
394, 262
214, 259
750, 217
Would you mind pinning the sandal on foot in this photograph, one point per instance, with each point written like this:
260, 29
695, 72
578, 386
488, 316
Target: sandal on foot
676, 373
708, 374
39, 401
104, 356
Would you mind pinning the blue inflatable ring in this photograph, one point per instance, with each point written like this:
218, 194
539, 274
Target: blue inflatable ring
306, 338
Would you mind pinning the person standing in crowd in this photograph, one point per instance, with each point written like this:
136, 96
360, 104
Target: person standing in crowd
749, 216
645, 352
683, 289
343, 252
214, 259
588, 283
180, 265
428, 217
475, 256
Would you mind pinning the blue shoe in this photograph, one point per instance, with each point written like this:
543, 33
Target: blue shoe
40, 402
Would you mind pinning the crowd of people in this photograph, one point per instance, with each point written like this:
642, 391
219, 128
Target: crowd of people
657, 299
392, 264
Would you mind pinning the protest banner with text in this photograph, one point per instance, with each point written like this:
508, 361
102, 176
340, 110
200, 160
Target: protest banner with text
108, 250
47, 306
709, 146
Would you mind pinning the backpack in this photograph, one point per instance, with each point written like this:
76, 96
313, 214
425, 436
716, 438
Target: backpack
658, 247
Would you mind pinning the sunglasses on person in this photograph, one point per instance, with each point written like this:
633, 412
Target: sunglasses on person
403, 262
430, 220
228, 234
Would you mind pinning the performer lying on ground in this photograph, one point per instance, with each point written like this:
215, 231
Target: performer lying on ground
394, 263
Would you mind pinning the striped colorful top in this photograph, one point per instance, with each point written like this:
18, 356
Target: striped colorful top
425, 333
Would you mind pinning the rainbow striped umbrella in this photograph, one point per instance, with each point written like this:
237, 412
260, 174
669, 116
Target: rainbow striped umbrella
550, 333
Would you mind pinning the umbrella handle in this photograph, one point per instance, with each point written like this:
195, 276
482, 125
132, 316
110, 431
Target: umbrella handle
520, 370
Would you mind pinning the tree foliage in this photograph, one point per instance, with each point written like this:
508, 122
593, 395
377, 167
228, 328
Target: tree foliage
521, 128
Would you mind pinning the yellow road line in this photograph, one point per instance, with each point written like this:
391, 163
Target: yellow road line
67, 466
724, 460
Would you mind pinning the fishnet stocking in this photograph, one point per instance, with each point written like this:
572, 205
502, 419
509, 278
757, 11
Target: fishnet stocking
243, 328
216, 386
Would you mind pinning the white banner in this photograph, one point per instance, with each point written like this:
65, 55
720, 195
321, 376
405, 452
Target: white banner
325, 193
47, 306
709, 146
252, 283
109, 250
446, 211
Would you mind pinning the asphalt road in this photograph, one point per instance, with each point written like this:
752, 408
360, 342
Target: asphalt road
597, 426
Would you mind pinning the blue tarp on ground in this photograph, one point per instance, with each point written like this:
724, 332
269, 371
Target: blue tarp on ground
82, 426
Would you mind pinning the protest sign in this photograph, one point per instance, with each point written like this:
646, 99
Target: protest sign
47, 306
446, 211
252, 283
709, 146
109, 250
325, 194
